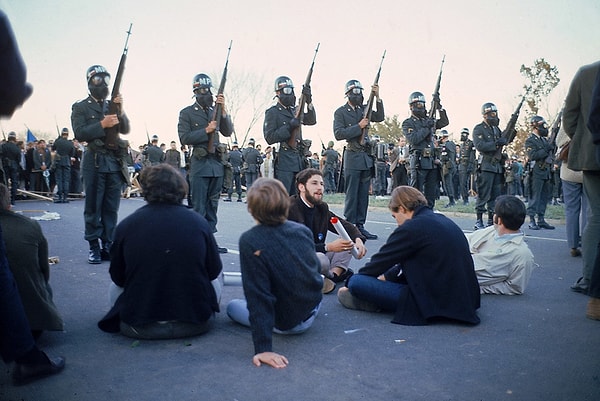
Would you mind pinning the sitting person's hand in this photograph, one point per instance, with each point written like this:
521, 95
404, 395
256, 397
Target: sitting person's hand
270, 358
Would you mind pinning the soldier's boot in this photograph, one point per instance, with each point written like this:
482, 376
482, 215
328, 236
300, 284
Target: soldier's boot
451, 201
490, 221
239, 197
228, 199
532, 224
94, 257
543, 224
479, 223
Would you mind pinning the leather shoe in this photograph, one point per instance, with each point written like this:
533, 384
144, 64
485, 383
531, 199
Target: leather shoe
543, 224
342, 277
27, 373
351, 302
365, 233
533, 226
478, 225
227, 200
221, 249
328, 286
94, 257
105, 254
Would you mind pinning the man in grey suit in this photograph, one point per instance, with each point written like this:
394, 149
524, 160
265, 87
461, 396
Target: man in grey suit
350, 123
582, 157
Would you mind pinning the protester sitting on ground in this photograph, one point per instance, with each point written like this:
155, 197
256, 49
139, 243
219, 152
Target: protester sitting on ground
16, 342
280, 273
423, 273
27, 254
503, 261
309, 209
166, 263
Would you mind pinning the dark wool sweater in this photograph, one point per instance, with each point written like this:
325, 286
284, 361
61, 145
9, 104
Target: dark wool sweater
281, 279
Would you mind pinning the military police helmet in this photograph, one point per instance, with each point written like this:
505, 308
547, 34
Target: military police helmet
283, 82
96, 70
488, 107
351, 85
444, 133
416, 97
537, 121
202, 81
330, 144
465, 131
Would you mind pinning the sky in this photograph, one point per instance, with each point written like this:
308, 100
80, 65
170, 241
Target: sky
484, 44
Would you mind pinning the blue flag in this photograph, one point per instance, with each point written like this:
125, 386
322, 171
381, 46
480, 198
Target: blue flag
30, 136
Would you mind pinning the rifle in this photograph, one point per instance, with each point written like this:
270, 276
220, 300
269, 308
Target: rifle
296, 135
341, 187
112, 134
3, 134
435, 104
369, 109
553, 134
218, 111
510, 131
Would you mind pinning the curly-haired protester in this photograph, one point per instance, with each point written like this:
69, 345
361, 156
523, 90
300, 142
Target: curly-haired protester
423, 273
164, 263
280, 273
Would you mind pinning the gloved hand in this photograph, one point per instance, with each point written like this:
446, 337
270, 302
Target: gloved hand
294, 123
307, 93
501, 141
430, 122
375, 89
438, 102
550, 147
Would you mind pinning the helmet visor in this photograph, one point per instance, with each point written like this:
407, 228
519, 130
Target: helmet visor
288, 90
99, 79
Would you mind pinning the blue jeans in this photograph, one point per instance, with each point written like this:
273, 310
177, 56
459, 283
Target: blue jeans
237, 310
384, 294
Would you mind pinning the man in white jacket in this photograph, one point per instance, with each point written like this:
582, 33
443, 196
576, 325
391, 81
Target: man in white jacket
503, 261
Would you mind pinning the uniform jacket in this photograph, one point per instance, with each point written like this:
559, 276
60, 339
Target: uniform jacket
345, 127
504, 264
321, 222
85, 120
165, 257
276, 129
466, 159
236, 159
64, 151
252, 160
439, 274
537, 151
173, 158
484, 140
154, 155
419, 138
11, 155
582, 153
192, 131
27, 253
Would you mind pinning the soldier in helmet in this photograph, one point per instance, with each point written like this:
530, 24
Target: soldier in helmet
466, 164
280, 123
419, 131
350, 124
487, 139
252, 162
62, 160
538, 149
330, 168
197, 127
104, 170
152, 153
11, 155
235, 158
448, 159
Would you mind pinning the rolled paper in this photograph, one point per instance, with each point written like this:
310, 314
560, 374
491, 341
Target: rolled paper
344, 234
232, 278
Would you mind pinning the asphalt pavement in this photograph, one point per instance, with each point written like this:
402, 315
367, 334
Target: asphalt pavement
537, 346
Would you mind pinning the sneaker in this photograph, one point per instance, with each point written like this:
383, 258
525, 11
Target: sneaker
342, 277
478, 225
94, 257
593, 309
351, 302
582, 286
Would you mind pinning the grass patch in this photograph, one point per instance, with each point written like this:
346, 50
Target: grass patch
554, 212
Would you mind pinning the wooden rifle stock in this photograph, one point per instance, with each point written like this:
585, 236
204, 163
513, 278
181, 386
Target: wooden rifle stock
112, 133
510, 131
370, 103
296, 134
218, 110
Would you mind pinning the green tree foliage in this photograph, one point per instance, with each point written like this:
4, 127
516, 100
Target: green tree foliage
541, 78
389, 130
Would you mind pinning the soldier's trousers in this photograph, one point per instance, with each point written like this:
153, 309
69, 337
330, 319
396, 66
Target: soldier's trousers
206, 192
489, 187
102, 200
